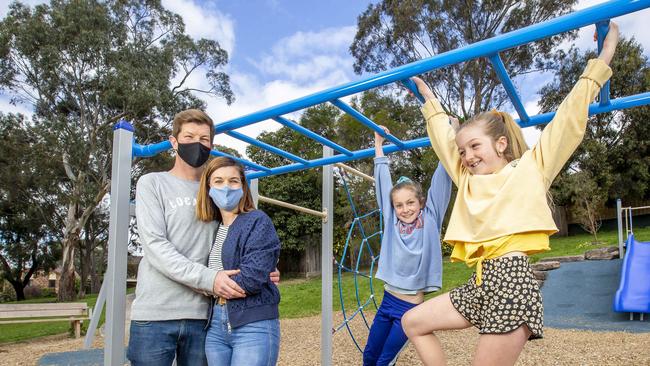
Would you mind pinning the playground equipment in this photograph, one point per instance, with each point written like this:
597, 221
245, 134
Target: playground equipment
125, 149
633, 293
352, 255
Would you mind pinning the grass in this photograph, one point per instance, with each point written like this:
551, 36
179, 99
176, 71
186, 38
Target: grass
21, 332
302, 297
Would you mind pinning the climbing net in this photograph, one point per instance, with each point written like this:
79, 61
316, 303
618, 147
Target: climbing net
359, 257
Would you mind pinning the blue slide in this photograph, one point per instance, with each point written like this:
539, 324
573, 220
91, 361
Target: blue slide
633, 295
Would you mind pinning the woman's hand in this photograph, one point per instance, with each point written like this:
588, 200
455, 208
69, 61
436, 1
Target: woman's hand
423, 88
225, 287
275, 276
609, 44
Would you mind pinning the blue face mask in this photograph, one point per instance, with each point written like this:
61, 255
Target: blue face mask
226, 198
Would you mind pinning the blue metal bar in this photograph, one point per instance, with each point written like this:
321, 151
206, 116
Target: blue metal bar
616, 104
631, 101
265, 146
147, 151
501, 72
298, 128
365, 121
602, 28
241, 161
360, 154
483, 48
410, 85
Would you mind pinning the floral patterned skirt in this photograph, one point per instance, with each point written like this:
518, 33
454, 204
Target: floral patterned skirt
508, 298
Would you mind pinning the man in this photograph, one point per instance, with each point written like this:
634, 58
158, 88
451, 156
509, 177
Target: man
169, 313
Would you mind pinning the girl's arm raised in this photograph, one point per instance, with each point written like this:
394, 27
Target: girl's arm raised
383, 180
441, 133
439, 194
564, 133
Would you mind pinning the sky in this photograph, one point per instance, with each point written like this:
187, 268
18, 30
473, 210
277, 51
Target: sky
281, 50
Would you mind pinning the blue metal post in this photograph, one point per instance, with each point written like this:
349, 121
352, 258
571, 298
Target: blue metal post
602, 28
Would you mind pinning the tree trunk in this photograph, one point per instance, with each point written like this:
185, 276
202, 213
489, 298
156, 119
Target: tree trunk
66, 282
95, 270
83, 268
19, 289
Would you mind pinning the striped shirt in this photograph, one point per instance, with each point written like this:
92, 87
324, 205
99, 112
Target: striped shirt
215, 253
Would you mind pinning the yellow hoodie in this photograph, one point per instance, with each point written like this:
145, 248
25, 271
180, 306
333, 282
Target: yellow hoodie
507, 211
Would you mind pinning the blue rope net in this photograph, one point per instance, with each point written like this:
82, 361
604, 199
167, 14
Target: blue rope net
359, 257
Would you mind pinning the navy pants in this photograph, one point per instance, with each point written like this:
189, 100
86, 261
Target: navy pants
386, 337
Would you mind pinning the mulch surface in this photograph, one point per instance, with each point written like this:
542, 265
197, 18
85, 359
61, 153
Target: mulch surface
301, 346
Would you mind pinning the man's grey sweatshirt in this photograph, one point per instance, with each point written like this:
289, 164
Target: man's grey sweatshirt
172, 276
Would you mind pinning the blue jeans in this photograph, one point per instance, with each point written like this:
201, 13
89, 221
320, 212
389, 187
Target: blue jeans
252, 344
159, 342
386, 338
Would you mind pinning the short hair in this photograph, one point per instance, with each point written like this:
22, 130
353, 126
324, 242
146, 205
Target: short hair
206, 210
191, 116
413, 186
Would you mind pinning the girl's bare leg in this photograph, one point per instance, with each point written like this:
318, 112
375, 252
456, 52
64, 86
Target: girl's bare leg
501, 349
420, 322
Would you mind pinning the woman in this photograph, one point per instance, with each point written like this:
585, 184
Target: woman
243, 327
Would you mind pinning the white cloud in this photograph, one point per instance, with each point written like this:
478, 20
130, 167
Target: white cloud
301, 64
309, 56
205, 21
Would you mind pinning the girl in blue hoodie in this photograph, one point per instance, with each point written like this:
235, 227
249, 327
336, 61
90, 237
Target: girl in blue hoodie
410, 261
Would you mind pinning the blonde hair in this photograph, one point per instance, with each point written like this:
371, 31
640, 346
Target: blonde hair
497, 124
206, 210
191, 116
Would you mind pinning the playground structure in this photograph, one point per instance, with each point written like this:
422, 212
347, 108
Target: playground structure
633, 295
125, 149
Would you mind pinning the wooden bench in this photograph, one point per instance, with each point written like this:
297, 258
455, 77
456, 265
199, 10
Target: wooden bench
75, 312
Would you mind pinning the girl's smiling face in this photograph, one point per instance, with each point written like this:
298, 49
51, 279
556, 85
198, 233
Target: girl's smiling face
479, 153
406, 204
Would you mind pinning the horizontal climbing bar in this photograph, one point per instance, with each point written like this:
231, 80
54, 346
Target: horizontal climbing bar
314, 136
320, 214
353, 171
616, 104
265, 146
365, 121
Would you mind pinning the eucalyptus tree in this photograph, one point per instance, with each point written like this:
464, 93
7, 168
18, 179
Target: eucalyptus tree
83, 65
391, 33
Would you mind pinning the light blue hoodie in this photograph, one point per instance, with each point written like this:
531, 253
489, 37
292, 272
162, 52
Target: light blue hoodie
412, 262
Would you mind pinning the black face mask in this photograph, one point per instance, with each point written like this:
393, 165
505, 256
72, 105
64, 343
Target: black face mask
194, 153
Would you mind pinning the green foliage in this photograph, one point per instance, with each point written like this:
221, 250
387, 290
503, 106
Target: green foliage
615, 152
82, 65
391, 33
26, 208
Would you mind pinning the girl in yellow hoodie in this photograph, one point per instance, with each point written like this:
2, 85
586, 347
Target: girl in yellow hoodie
500, 216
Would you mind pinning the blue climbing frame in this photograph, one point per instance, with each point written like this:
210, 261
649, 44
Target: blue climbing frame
125, 149
489, 48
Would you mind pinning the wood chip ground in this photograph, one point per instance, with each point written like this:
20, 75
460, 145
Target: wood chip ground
301, 347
